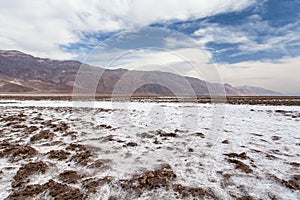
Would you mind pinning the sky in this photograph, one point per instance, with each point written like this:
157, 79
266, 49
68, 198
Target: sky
241, 42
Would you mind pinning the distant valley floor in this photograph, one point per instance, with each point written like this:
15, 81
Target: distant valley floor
250, 100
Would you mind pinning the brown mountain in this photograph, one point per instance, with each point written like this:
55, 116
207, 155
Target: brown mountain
23, 73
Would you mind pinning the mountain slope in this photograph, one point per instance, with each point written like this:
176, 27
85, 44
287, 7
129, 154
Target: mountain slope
23, 73
250, 90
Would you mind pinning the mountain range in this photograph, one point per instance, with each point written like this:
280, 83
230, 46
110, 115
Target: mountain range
24, 73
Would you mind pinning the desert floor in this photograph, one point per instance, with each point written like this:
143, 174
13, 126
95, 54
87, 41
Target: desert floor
148, 149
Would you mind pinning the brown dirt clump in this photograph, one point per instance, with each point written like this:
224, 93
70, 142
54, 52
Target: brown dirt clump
47, 123
131, 144
16, 152
145, 135
56, 190
257, 134
58, 154
156, 141
70, 176
186, 192
62, 191
150, 180
23, 152
294, 164
162, 177
275, 138
45, 134
235, 155
27, 192
271, 157
272, 196
195, 192
27, 170
108, 138
240, 165
10, 124
19, 126
76, 147
72, 134
11, 119
225, 142
293, 183
162, 133
7, 148
92, 184
226, 179
62, 127
31, 129
82, 157
105, 126
159, 177
200, 134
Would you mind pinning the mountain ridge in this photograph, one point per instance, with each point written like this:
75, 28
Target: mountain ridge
251, 90
24, 73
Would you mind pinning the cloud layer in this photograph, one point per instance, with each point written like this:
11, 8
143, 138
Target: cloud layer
41, 28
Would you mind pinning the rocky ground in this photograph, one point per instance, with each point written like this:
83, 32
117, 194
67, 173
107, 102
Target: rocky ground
148, 150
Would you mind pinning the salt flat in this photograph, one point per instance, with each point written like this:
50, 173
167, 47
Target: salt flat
148, 150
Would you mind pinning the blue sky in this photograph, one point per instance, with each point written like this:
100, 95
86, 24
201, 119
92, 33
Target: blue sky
251, 42
266, 30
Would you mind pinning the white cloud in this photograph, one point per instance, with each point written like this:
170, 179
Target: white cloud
40, 27
279, 42
222, 34
282, 76
247, 35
